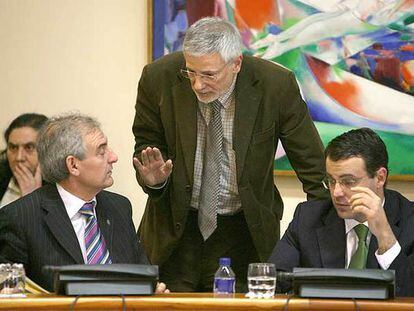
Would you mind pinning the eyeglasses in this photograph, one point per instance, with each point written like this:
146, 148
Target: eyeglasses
206, 77
345, 183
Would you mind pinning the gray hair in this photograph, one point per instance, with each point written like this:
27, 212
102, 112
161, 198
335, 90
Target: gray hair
211, 35
62, 136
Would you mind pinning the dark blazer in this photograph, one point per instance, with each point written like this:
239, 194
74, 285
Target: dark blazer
36, 231
316, 239
269, 108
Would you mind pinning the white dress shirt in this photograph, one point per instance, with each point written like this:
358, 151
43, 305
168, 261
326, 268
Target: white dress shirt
73, 204
384, 260
12, 193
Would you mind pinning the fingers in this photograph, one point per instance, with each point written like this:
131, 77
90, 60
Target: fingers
38, 177
365, 190
137, 163
161, 288
27, 182
364, 196
22, 173
365, 201
149, 155
167, 169
152, 168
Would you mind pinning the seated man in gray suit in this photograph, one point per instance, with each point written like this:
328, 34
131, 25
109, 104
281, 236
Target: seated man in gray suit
364, 225
72, 220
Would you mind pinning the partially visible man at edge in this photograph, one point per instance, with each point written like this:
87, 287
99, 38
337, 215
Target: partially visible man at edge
364, 225
72, 220
19, 167
217, 116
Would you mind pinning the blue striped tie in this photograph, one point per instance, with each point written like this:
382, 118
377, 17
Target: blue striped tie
96, 251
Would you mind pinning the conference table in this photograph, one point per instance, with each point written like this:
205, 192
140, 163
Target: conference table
198, 301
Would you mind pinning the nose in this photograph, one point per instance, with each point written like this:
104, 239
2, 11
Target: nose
198, 83
113, 157
337, 190
21, 155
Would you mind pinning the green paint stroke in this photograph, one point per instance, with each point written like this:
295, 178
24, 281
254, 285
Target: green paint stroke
400, 148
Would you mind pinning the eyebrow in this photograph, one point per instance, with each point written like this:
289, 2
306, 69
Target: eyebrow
203, 72
343, 176
24, 145
103, 145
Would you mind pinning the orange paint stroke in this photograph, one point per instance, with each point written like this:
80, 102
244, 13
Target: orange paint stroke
256, 14
407, 72
345, 93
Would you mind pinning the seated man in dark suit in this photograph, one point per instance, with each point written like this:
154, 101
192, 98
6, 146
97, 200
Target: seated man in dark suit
72, 220
19, 167
364, 225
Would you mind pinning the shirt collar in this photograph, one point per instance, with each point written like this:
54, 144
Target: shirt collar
72, 203
14, 187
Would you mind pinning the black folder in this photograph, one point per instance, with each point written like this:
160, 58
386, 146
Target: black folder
114, 279
344, 283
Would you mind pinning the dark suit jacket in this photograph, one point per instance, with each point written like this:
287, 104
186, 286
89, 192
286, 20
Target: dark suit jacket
268, 108
36, 231
316, 239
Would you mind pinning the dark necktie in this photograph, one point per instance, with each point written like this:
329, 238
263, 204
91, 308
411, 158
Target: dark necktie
96, 251
359, 258
210, 181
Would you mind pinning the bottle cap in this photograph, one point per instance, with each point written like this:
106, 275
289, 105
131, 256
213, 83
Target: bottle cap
225, 261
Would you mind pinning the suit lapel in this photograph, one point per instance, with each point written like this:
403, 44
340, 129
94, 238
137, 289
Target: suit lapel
60, 226
185, 108
332, 241
247, 105
105, 222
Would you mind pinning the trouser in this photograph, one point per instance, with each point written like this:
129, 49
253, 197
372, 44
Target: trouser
193, 263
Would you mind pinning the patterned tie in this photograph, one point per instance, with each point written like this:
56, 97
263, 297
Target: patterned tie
96, 251
359, 258
210, 181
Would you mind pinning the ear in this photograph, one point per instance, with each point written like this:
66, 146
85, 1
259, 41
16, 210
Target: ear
72, 165
381, 177
237, 63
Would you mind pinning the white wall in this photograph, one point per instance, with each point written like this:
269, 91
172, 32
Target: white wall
87, 55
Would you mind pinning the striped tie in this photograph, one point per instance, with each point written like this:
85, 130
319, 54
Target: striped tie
96, 251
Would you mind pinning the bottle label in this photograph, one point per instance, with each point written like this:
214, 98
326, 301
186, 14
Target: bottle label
224, 286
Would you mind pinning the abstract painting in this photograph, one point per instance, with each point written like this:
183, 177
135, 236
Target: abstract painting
353, 59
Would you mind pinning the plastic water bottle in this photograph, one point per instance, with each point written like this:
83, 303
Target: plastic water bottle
224, 279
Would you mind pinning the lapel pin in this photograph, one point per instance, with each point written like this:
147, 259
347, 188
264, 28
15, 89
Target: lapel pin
108, 222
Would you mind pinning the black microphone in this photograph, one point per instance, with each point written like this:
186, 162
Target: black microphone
283, 276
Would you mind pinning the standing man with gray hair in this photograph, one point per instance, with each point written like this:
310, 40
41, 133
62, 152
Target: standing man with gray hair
72, 220
207, 125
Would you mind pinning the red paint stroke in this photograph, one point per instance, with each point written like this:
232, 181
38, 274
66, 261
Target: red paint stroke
197, 9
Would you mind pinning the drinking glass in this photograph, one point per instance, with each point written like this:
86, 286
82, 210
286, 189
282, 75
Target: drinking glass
261, 280
12, 280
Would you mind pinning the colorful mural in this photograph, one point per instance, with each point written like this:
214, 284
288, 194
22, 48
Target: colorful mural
353, 59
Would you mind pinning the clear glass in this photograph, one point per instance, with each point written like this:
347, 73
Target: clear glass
12, 280
261, 280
